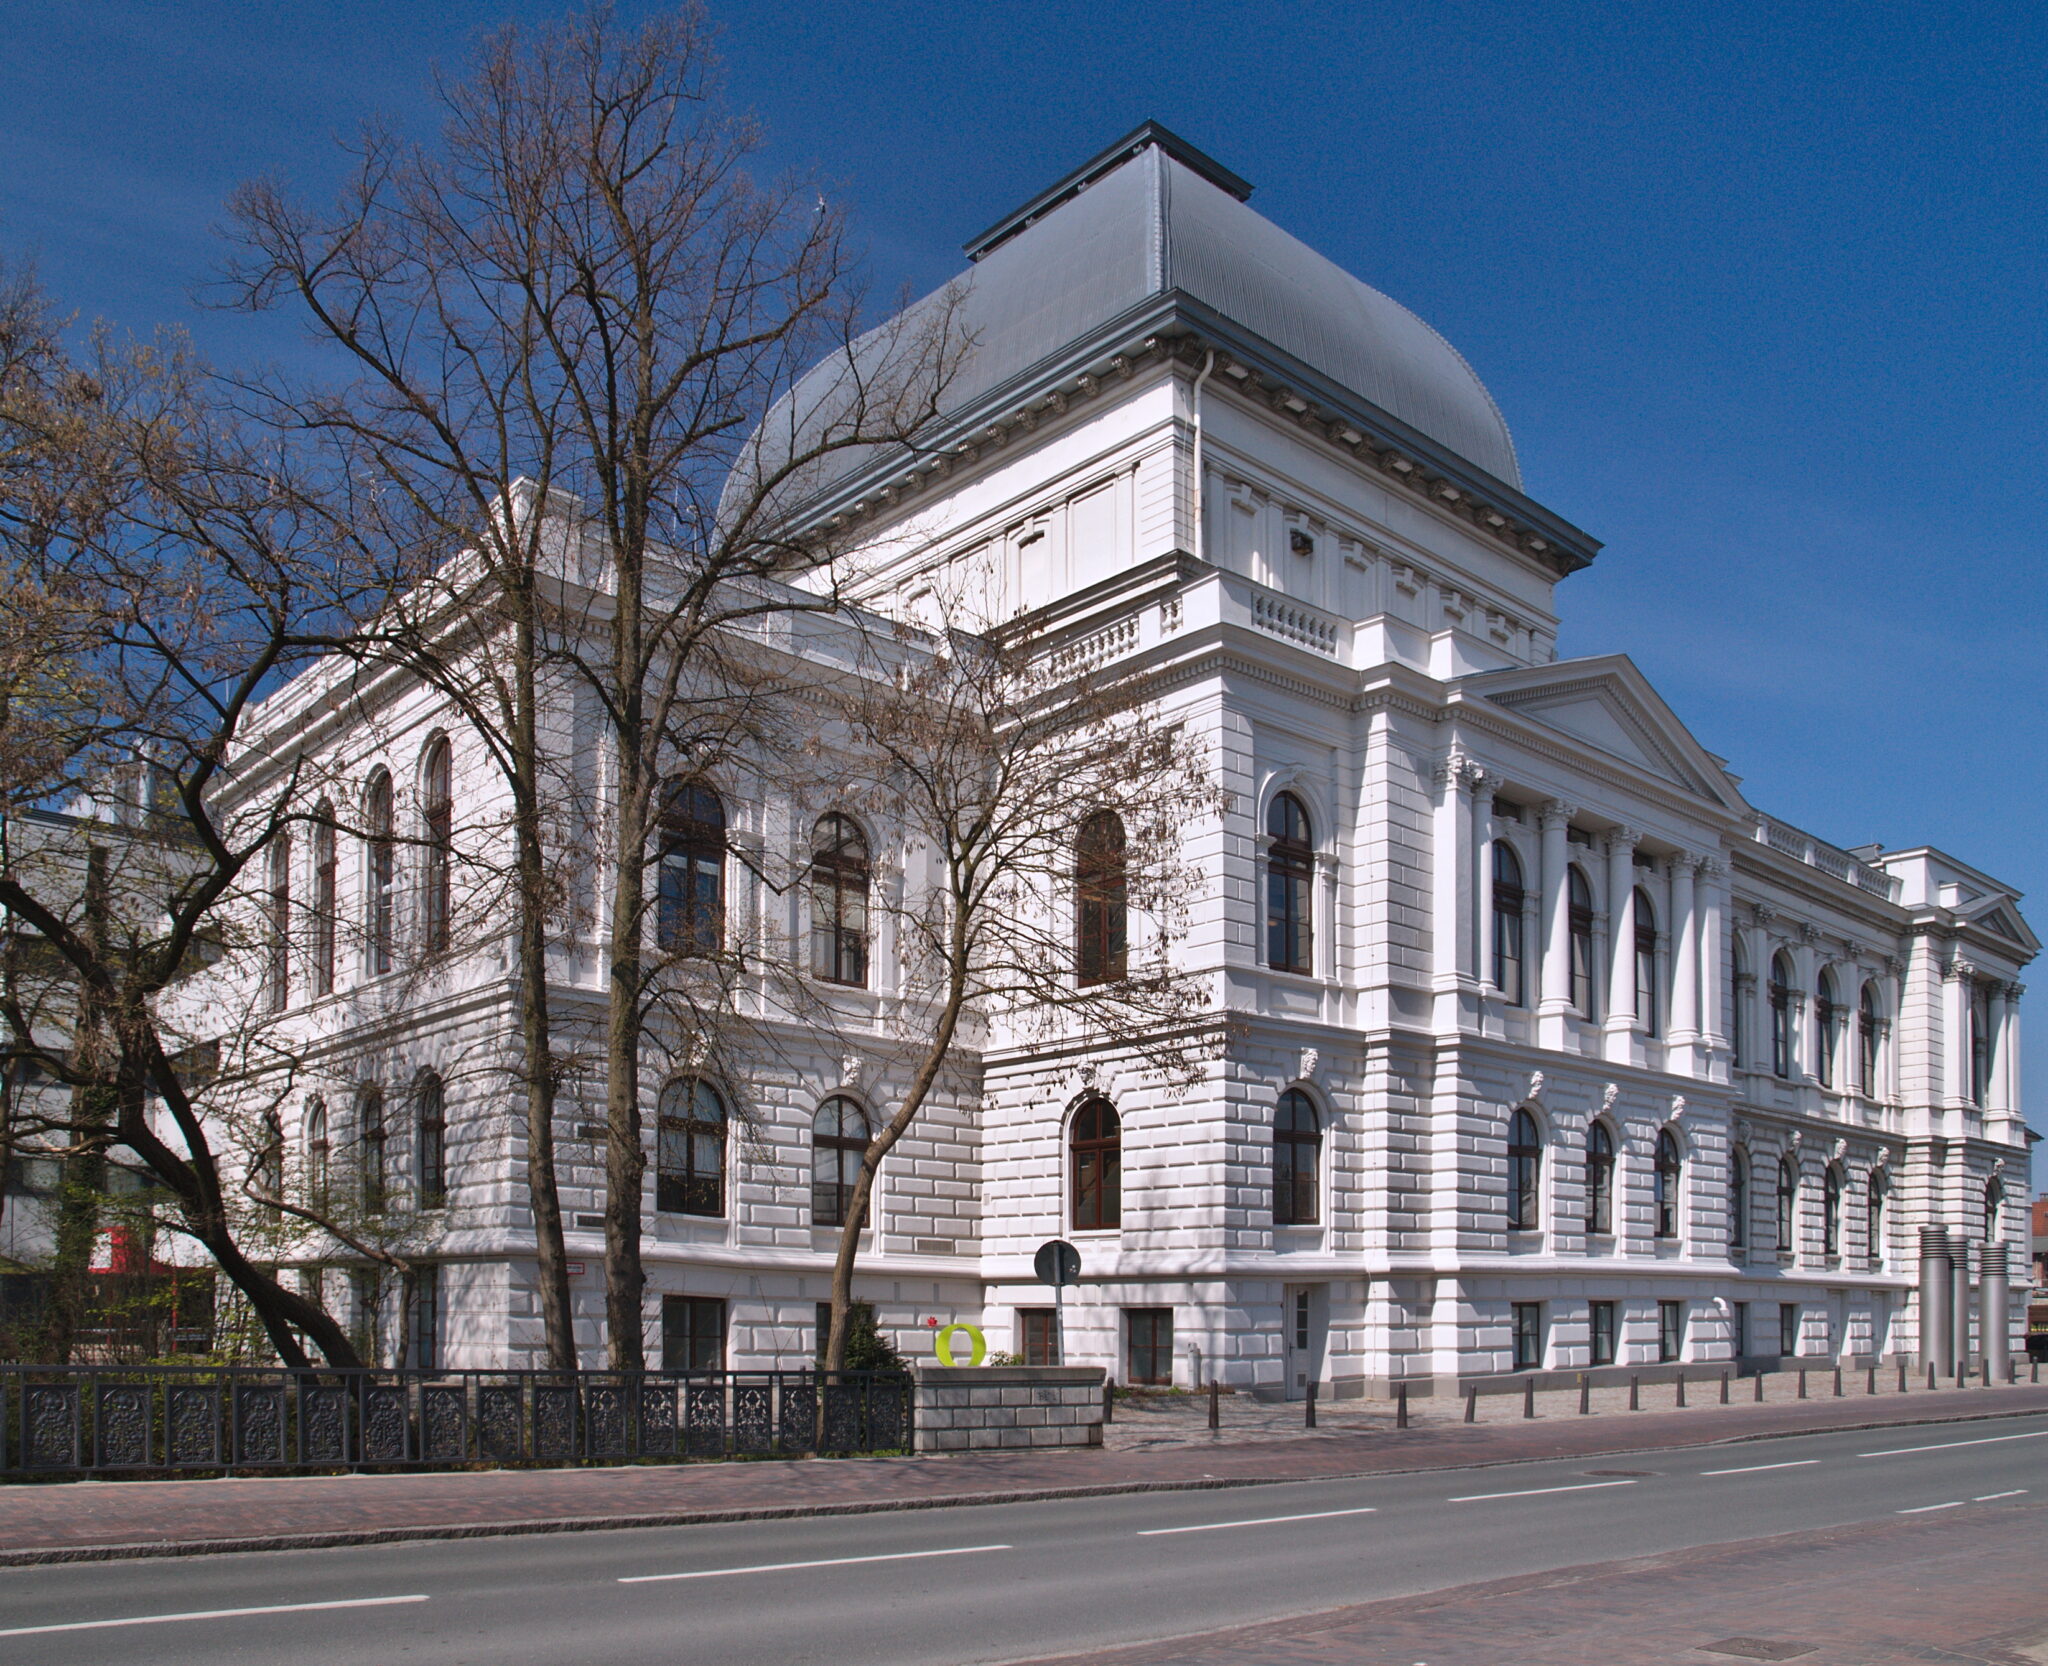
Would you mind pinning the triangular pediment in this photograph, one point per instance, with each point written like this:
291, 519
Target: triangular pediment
1996, 914
1609, 705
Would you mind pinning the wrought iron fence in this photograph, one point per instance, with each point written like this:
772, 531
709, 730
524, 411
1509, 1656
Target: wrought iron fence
172, 1419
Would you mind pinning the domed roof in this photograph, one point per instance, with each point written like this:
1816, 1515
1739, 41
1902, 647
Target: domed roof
1149, 226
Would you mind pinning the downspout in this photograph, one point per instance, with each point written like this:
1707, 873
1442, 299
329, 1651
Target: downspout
1195, 402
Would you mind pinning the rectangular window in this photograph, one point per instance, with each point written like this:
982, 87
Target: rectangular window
1788, 1328
693, 1333
1150, 1334
1528, 1324
423, 1343
1670, 1331
1601, 1328
1739, 1328
369, 1328
1037, 1339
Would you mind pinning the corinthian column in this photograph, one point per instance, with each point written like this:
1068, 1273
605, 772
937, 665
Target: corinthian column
1554, 1011
1685, 954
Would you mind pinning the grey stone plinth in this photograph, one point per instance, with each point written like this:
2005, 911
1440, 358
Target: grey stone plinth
1006, 1407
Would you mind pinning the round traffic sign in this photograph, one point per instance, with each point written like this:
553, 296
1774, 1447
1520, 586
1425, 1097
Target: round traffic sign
1058, 1263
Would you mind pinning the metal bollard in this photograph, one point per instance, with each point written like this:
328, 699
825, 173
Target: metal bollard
1681, 1390
1635, 1402
1724, 1388
1308, 1419
1987, 1374
1215, 1406
1870, 1387
2012, 1370
1902, 1373
1528, 1396
1471, 1405
1585, 1395
1109, 1401
1802, 1382
1400, 1405
1759, 1381
1838, 1382
1930, 1373
2033, 1370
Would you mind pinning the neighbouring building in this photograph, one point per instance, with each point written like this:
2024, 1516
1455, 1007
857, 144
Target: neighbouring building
1547, 1050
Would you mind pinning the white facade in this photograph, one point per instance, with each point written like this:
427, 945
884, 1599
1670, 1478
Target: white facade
1272, 499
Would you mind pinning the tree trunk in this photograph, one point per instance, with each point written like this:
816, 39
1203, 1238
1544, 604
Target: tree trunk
83, 1183
625, 1158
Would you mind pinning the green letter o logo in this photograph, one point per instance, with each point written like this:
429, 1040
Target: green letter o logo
943, 1345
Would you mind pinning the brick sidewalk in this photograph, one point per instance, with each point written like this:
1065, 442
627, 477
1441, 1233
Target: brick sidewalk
1964, 1590
91, 1519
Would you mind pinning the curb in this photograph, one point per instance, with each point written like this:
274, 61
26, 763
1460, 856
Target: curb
49, 1555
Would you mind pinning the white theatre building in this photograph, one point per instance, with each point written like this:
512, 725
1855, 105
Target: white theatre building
1547, 1050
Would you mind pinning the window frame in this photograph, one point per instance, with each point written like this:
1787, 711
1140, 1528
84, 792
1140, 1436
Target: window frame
693, 840
1524, 1172
373, 1138
1603, 1333
380, 875
1095, 1166
1827, 1028
1101, 900
326, 901
1785, 1213
1600, 1169
844, 1148
1868, 1040
1649, 1009
693, 1336
1784, 1054
1297, 1160
1525, 1335
424, 1317
430, 1140
1876, 1217
1831, 1210
841, 882
1667, 1187
437, 845
1670, 1332
1153, 1323
1738, 1199
1290, 886
1579, 929
683, 1189
277, 947
1510, 924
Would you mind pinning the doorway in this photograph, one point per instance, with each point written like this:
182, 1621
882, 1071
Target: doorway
1307, 1324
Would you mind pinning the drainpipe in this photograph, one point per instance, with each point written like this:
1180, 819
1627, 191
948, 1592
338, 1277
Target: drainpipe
1935, 1349
1992, 1293
1201, 539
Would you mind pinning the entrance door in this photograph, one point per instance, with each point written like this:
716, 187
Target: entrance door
1307, 1321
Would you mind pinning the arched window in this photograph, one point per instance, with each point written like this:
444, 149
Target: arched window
1646, 964
1876, 1195
1101, 899
1096, 1142
1667, 1178
839, 1139
380, 873
1742, 987
319, 1152
1738, 1200
266, 1171
437, 844
1297, 1148
1788, 1203
690, 907
1581, 919
370, 1132
277, 969
1510, 900
430, 1108
1866, 1042
1781, 1016
326, 900
1994, 1211
1599, 1180
1290, 866
1525, 1173
1827, 1022
689, 1174
1831, 1211
839, 901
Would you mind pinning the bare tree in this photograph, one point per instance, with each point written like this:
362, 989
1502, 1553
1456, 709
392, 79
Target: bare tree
581, 295
1044, 803
191, 578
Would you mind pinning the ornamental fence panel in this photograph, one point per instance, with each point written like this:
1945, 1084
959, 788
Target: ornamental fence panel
108, 1419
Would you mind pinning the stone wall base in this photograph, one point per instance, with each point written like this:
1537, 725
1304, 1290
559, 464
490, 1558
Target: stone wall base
1007, 1407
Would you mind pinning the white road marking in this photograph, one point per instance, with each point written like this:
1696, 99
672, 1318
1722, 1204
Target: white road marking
1257, 1521
825, 1562
1944, 1445
1532, 1492
1751, 1469
206, 1614
1922, 1509
1987, 1497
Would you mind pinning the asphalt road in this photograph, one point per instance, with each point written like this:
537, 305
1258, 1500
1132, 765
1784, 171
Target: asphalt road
995, 1583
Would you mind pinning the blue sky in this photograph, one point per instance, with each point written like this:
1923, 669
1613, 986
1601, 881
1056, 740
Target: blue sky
1757, 286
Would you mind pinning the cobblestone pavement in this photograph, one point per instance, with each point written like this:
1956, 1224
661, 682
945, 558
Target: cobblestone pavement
1963, 1590
1147, 1421
1163, 1444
